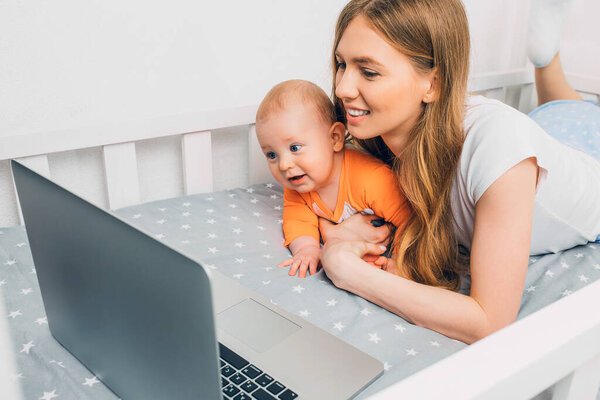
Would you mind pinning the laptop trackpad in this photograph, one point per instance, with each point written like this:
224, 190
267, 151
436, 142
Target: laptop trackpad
255, 325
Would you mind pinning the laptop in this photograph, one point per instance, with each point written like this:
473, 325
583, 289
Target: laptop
151, 323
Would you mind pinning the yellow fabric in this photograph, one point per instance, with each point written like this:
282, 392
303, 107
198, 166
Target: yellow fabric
366, 184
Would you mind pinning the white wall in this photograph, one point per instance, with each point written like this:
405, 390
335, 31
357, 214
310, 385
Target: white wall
71, 63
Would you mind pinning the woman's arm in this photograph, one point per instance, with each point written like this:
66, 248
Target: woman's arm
499, 258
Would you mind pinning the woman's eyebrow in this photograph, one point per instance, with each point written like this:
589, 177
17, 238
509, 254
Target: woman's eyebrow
363, 60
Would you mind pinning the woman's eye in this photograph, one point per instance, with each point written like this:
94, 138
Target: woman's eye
340, 65
271, 155
369, 74
295, 147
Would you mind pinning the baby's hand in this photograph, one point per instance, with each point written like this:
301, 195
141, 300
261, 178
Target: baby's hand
307, 258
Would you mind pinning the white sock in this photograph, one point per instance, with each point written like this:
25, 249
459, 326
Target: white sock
546, 20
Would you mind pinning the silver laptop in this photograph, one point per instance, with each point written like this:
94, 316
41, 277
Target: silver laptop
141, 316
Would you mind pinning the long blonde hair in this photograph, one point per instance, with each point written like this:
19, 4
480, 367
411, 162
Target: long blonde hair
434, 34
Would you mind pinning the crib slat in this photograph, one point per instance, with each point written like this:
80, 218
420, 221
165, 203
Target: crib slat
121, 173
581, 384
40, 165
197, 162
258, 170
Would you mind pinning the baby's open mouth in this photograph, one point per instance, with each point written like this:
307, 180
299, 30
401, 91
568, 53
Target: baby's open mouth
295, 178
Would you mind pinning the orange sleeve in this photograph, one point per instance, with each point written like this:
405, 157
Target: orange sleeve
298, 218
375, 184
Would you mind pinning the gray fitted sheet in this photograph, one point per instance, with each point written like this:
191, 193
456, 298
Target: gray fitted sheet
238, 232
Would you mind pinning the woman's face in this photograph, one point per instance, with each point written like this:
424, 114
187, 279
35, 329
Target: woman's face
382, 92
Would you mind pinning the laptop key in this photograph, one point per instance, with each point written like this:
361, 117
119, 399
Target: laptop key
231, 391
232, 358
251, 371
260, 394
242, 396
264, 380
226, 371
287, 395
275, 387
224, 382
238, 378
248, 386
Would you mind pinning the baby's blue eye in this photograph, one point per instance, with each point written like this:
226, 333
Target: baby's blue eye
271, 155
295, 147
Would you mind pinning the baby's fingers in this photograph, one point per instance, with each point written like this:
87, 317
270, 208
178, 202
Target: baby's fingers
312, 266
303, 268
285, 263
294, 268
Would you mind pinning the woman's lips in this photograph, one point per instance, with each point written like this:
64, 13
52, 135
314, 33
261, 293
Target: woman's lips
359, 115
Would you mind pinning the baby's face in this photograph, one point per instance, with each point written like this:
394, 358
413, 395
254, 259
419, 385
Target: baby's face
298, 147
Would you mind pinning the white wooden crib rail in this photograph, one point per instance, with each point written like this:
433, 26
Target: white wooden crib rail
559, 345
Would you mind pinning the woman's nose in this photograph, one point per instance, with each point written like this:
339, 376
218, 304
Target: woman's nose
345, 87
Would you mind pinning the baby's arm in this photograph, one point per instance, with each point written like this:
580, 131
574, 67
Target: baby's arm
306, 254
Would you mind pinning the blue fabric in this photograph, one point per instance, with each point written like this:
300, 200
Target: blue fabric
574, 123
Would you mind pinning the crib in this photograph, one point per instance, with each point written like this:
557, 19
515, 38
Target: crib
553, 352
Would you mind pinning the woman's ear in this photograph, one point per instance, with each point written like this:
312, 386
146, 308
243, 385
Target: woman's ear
337, 132
432, 86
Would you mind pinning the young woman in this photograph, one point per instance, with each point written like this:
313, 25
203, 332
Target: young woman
476, 172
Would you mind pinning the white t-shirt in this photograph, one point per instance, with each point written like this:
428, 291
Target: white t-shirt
567, 200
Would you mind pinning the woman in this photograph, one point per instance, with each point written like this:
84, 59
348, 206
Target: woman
477, 173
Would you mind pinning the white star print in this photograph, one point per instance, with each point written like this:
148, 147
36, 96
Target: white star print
272, 302
210, 266
161, 221
583, 278
10, 262
136, 216
26, 291
234, 218
260, 228
566, 292
264, 242
373, 337
386, 366
532, 260
435, 344
49, 395
41, 321
210, 211
366, 312
159, 236
3, 282
591, 246
280, 221
27, 347
238, 276
240, 260
162, 209
59, 363
232, 195
331, 303
565, 265
266, 282
212, 236
399, 327
249, 190
15, 314
254, 201
210, 198
240, 245
597, 266
33, 271
90, 382
578, 255
187, 204
21, 244
232, 206
213, 250
549, 273
274, 196
531, 289
267, 256
339, 326
278, 208
411, 352
237, 231
256, 214
298, 289
210, 221
186, 227
186, 214
269, 185
304, 313
185, 241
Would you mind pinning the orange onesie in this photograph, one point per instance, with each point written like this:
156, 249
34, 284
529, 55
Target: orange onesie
367, 185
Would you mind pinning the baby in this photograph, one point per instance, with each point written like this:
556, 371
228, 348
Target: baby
297, 130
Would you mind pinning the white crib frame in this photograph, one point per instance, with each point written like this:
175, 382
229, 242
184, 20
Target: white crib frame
517, 362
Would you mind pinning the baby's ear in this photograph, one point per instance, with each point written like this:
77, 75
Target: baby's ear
337, 131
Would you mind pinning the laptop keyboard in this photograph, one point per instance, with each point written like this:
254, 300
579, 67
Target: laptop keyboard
241, 380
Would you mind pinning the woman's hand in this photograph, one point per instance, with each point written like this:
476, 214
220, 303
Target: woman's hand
344, 262
357, 227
